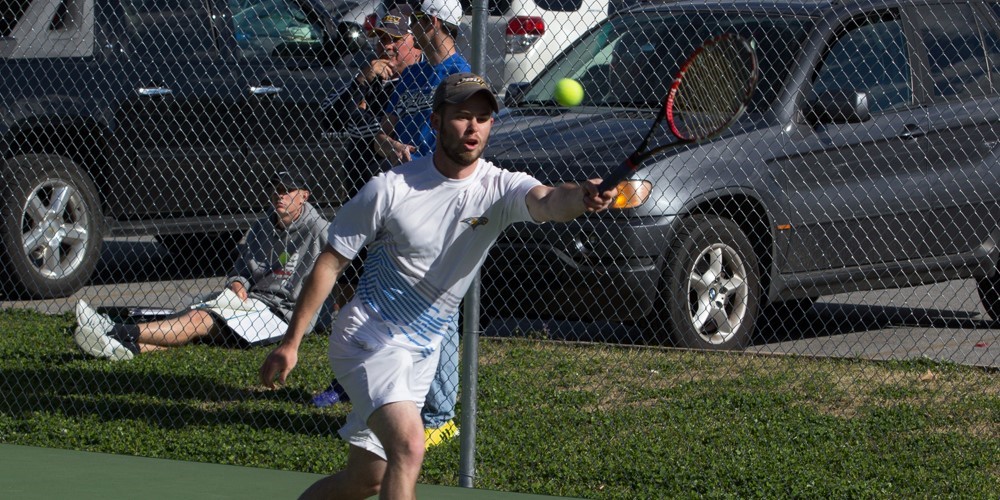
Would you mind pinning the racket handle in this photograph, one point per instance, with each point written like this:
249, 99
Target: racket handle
617, 175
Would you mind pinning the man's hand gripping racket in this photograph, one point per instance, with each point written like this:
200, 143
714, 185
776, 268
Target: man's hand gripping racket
709, 93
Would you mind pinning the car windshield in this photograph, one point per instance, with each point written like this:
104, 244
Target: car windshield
630, 60
338, 8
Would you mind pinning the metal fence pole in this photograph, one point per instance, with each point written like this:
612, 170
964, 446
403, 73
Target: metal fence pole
470, 324
478, 36
469, 376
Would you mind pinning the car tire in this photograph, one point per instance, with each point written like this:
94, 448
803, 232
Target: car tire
697, 308
53, 228
211, 250
989, 293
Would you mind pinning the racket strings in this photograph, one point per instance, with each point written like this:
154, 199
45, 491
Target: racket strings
712, 91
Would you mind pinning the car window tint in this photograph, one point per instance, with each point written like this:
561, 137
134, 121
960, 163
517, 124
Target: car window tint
170, 29
869, 58
956, 60
992, 46
272, 28
11, 14
560, 5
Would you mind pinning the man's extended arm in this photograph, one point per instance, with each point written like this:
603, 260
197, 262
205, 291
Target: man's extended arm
316, 289
567, 201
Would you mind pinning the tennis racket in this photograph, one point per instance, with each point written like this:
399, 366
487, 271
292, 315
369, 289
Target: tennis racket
709, 93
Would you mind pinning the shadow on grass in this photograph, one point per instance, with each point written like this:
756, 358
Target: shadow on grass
820, 320
160, 399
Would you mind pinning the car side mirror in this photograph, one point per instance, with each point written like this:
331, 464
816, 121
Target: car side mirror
515, 92
839, 106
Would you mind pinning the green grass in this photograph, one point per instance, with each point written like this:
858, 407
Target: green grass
590, 421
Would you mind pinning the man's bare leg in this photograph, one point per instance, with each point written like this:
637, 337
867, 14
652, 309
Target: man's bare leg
359, 480
399, 428
177, 331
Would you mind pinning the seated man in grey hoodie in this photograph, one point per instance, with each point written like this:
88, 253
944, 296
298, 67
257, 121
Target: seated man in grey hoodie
260, 293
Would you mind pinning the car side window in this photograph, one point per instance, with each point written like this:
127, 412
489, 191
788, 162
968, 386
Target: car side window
11, 14
869, 56
955, 57
170, 29
272, 28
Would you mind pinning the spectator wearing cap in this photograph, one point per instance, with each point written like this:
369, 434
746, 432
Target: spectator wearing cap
259, 295
357, 109
357, 112
386, 344
406, 132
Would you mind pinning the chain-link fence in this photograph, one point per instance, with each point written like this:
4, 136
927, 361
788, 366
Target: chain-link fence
837, 245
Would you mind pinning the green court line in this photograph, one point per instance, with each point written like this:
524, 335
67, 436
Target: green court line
28, 473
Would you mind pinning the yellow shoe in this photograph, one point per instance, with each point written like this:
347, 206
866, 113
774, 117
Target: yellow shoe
434, 437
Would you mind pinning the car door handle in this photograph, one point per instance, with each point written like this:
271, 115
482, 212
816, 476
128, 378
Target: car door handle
265, 89
154, 91
912, 131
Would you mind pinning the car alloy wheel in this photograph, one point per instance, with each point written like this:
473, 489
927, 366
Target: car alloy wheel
52, 227
711, 293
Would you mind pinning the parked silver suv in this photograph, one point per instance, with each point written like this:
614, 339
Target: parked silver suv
868, 159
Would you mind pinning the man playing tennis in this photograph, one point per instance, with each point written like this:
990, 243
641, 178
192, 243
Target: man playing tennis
428, 225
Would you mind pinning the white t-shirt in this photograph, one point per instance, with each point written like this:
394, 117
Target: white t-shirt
427, 235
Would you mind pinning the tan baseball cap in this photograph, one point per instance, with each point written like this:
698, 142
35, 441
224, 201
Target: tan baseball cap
459, 87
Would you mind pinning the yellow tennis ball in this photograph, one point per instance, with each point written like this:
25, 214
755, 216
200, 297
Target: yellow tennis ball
568, 92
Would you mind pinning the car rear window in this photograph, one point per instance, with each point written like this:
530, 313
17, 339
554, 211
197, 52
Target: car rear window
956, 58
11, 14
560, 5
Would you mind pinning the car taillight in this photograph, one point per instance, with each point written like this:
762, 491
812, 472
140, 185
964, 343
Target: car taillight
370, 21
522, 32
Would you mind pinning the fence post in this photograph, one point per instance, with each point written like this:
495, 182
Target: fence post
469, 383
470, 325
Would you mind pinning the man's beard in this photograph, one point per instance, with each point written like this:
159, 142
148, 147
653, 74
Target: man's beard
456, 152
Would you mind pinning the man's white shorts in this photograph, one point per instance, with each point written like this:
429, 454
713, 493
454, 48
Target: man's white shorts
376, 376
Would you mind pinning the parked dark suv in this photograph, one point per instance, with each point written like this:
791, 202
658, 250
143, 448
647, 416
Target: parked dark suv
165, 117
868, 159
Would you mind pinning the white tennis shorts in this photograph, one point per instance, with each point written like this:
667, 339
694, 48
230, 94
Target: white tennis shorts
374, 376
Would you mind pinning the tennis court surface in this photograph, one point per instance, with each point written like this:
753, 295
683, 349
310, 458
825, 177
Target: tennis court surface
44, 473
